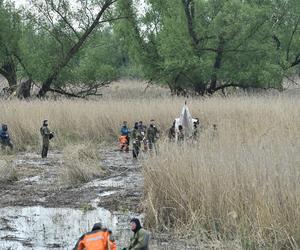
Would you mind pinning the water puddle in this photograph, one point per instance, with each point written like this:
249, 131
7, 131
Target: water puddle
55, 228
41, 228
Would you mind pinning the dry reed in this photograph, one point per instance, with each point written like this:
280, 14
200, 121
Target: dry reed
81, 164
241, 183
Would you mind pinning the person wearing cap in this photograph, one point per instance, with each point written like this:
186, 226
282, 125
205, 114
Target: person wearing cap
98, 239
47, 135
140, 238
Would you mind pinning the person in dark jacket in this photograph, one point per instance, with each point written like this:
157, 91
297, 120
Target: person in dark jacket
5, 138
172, 132
140, 238
136, 140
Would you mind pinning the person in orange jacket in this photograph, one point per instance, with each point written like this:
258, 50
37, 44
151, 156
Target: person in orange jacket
98, 239
123, 140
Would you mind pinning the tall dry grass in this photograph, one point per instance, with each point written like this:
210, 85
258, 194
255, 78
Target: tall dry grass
240, 184
81, 164
80, 121
8, 172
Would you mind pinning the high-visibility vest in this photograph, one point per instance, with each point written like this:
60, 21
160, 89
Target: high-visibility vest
98, 240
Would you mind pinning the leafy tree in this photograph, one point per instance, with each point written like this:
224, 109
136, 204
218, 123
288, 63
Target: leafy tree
64, 30
205, 46
9, 37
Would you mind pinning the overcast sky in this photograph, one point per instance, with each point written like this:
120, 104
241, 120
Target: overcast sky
20, 2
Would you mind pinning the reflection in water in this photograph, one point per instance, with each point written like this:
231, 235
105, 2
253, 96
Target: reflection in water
55, 228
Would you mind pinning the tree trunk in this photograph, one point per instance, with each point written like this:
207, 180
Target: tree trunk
8, 70
23, 91
75, 48
217, 66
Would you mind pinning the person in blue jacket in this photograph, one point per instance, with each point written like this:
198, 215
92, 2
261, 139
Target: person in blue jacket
125, 131
4, 137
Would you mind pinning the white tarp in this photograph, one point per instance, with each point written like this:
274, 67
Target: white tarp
186, 121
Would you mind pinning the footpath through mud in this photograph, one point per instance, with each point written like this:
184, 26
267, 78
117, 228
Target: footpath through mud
39, 212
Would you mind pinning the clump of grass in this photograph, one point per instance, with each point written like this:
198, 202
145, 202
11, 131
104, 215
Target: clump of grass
8, 172
81, 164
247, 192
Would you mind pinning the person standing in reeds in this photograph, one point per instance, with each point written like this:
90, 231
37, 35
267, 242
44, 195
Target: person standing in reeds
4, 137
136, 140
180, 134
47, 135
152, 134
124, 137
172, 132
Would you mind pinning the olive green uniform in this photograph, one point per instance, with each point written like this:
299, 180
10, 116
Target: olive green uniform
140, 240
136, 141
152, 135
45, 132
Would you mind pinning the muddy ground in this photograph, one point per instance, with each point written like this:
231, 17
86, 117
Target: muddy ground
39, 183
40, 212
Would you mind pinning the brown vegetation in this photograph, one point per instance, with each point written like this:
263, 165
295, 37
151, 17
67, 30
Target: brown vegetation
81, 164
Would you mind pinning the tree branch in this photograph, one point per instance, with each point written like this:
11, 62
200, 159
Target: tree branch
190, 22
64, 18
291, 39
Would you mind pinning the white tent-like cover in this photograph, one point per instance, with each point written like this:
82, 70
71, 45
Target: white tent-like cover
186, 121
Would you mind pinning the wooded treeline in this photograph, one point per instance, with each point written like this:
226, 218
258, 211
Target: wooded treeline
192, 46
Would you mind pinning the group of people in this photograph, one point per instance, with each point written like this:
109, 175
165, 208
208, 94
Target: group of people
176, 131
46, 134
140, 135
101, 238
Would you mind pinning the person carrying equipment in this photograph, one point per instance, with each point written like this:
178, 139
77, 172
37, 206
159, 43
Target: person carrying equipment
5, 138
98, 239
47, 135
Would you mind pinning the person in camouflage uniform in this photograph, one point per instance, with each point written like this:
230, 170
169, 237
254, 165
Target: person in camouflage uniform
152, 135
143, 130
137, 137
47, 135
5, 138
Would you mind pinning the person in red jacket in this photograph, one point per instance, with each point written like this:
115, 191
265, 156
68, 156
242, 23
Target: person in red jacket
98, 239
